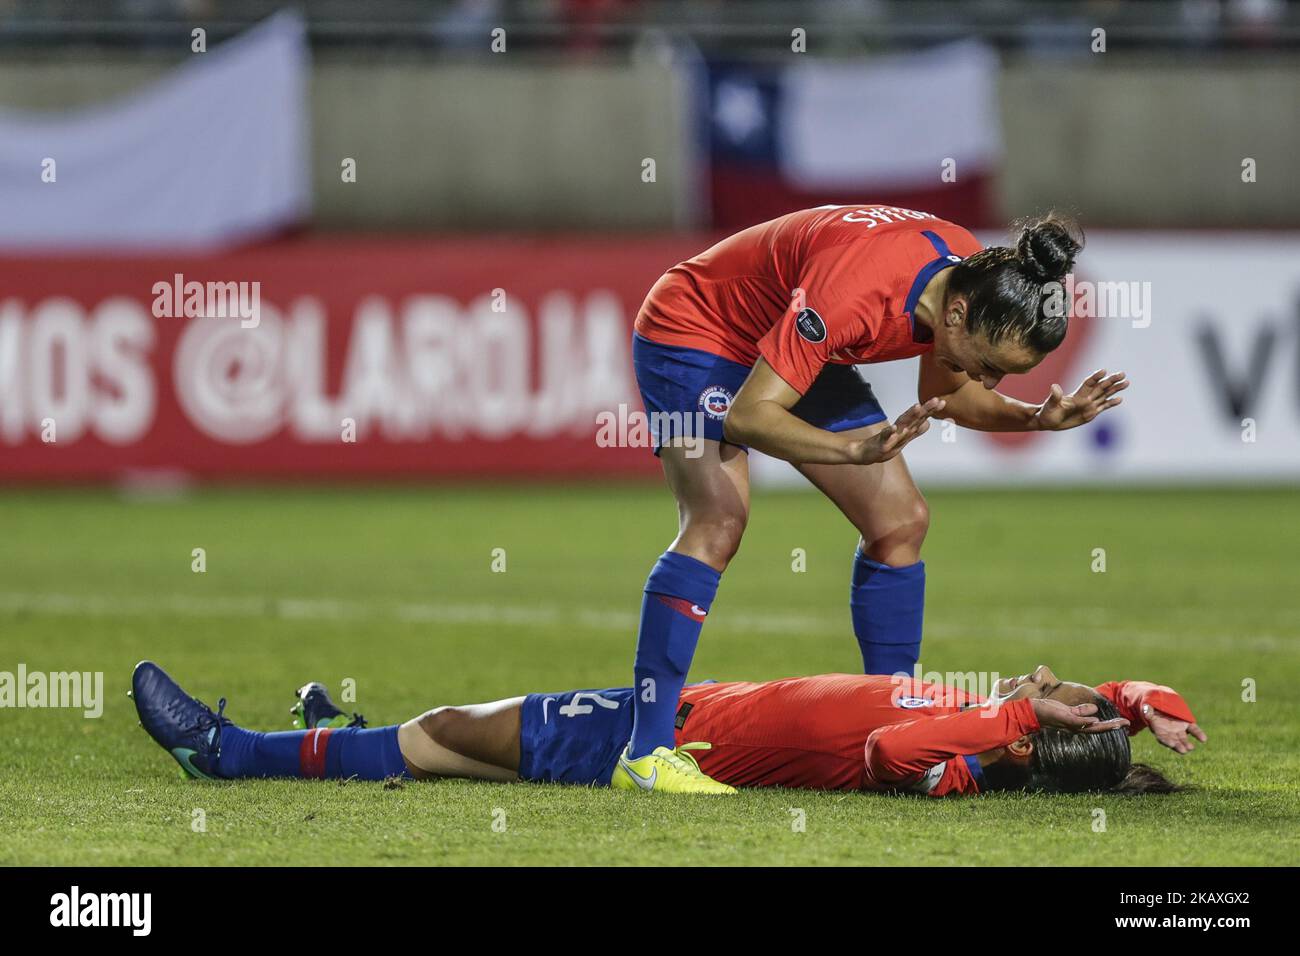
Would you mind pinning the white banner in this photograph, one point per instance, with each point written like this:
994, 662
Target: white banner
891, 120
215, 153
1207, 328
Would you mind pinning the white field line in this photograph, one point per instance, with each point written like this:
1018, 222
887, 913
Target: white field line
1092, 625
334, 609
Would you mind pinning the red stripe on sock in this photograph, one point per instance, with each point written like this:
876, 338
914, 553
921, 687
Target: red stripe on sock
311, 753
684, 607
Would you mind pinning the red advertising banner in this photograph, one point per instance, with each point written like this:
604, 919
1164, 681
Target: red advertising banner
326, 358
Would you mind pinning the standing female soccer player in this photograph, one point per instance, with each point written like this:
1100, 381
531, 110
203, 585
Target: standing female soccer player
756, 340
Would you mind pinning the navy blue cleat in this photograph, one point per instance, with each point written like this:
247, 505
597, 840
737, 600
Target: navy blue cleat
314, 709
184, 727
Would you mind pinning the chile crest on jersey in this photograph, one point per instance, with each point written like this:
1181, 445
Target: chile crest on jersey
714, 401
911, 703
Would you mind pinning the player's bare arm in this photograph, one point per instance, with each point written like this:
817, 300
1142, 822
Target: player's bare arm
760, 417
973, 404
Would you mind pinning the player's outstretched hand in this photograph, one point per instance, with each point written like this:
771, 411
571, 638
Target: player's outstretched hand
1098, 392
1079, 719
1173, 733
889, 441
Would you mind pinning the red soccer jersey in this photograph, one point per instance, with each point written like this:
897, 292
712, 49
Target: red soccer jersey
846, 732
832, 284
867, 732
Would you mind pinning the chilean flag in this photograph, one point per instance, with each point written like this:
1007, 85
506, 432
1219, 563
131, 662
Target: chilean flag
918, 130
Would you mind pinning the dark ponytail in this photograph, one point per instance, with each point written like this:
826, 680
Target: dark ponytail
1143, 778
1063, 762
1007, 290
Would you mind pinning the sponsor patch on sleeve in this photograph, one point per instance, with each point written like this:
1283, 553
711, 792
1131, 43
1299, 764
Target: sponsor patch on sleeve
810, 326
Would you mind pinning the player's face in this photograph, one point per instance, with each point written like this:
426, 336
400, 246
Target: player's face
1042, 683
970, 354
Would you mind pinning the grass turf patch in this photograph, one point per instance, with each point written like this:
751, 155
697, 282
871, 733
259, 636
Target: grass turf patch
393, 588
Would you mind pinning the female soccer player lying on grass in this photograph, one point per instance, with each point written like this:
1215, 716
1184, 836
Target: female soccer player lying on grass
827, 732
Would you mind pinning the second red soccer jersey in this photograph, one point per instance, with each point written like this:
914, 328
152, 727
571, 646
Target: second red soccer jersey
870, 732
846, 732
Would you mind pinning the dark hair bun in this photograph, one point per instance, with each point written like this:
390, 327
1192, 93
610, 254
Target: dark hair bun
1047, 248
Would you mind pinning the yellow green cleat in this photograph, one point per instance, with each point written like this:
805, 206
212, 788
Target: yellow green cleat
667, 771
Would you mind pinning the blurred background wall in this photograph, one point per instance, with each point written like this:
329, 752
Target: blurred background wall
523, 171
1073, 136
454, 137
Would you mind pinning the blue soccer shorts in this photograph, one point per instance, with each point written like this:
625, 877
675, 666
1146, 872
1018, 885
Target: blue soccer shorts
687, 393
574, 736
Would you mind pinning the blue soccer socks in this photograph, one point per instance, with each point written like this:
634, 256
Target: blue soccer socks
888, 606
364, 754
677, 597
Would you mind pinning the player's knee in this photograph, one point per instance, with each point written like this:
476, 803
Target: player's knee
901, 544
443, 725
918, 520
718, 536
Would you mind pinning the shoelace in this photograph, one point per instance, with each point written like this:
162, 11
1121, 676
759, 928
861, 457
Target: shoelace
207, 720
682, 760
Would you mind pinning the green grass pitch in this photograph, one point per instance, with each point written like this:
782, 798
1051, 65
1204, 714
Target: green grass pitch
393, 588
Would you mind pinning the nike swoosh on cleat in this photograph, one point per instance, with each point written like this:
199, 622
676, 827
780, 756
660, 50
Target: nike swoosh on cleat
645, 783
183, 757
